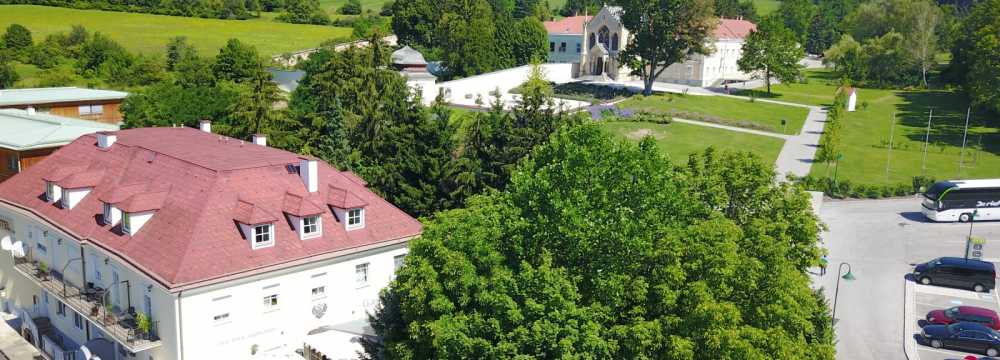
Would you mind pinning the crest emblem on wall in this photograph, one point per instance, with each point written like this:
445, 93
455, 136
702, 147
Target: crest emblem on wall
319, 310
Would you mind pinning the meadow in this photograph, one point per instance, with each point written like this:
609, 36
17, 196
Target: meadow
723, 110
866, 134
679, 140
148, 33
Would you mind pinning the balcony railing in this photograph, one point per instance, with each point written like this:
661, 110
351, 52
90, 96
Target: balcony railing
92, 303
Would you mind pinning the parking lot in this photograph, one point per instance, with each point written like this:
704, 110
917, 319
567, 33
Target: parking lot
878, 312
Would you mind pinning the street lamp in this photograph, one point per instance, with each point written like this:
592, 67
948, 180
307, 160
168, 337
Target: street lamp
848, 276
968, 240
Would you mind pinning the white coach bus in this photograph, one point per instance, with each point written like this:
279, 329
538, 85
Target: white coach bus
956, 200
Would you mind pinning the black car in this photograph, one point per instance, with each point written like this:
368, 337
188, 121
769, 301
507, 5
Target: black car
957, 272
964, 337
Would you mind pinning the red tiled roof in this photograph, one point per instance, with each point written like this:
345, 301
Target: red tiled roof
143, 202
197, 180
63, 172
298, 206
341, 198
82, 179
733, 29
568, 25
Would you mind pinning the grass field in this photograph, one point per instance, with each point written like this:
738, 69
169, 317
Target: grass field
679, 140
149, 33
765, 7
724, 110
866, 133
331, 6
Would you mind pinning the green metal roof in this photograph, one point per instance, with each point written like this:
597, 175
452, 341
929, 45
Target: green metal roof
12, 97
21, 131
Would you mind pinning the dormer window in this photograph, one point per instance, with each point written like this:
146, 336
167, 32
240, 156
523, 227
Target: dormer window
311, 227
355, 218
263, 236
126, 223
64, 199
52, 191
107, 213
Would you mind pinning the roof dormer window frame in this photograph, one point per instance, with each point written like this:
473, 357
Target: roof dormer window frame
355, 218
51, 189
126, 223
310, 227
262, 235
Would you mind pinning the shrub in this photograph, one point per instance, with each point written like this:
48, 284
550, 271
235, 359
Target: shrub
847, 189
352, 7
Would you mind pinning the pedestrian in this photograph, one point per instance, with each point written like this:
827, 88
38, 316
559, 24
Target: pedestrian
727, 88
822, 265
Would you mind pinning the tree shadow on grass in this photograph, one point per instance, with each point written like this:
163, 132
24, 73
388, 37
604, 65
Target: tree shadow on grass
948, 123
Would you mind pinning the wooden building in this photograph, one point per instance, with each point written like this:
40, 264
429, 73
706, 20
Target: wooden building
87, 104
28, 136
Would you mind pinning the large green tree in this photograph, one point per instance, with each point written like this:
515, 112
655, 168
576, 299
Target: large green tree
664, 32
17, 37
8, 76
975, 54
797, 15
236, 61
602, 249
467, 38
304, 12
771, 51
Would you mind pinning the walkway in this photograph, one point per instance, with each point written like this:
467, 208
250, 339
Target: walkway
735, 128
12, 345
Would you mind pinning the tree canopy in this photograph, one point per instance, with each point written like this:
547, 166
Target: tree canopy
975, 55
664, 32
599, 248
771, 51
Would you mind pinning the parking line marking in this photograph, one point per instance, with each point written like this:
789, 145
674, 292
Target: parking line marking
938, 290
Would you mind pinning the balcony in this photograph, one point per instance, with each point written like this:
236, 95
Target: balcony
90, 302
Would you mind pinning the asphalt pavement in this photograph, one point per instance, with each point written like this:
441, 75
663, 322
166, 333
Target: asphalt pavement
877, 312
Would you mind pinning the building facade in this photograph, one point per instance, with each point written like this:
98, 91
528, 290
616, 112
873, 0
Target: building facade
566, 39
88, 104
175, 243
29, 137
605, 37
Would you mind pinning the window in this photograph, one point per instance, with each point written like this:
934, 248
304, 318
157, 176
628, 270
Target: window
50, 191
578, 48
126, 223
614, 42
361, 274
271, 302
562, 46
41, 248
12, 163
64, 201
318, 292
603, 36
221, 318
77, 320
354, 218
91, 109
397, 262
107, 213
262, 236
60, 308
552, 46
310, 226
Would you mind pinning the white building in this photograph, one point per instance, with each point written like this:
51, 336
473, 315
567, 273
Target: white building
231, 249
606, 36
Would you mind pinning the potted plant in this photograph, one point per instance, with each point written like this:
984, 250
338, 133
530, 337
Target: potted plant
142, 321
43, 270
94, 310
108, 316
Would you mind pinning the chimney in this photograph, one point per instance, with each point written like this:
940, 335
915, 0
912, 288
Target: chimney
30, 110
206, 126
260, 139
106, 139
308, 171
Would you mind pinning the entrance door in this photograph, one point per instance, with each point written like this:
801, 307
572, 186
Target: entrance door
599, 66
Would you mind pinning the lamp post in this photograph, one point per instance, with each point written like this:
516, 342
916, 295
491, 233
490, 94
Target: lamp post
836, 294
968, 239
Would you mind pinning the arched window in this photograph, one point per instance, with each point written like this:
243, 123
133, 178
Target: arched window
591, 42
614, 42
602, 36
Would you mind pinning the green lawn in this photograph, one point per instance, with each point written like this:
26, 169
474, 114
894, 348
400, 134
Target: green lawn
149, 33
679, 140
725, 110
765, 7
866, 133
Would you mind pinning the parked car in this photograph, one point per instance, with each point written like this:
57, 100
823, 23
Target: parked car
964, 314
963, 336
957, 272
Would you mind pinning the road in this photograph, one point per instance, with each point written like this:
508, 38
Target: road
880, 239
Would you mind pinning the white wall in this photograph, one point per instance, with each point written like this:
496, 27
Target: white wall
73, 196
466, 91
284, 327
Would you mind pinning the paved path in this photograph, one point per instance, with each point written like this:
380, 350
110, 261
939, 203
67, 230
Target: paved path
796, 156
